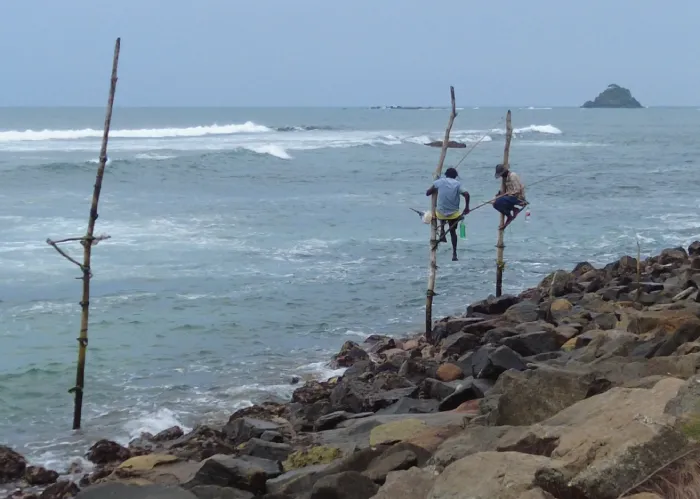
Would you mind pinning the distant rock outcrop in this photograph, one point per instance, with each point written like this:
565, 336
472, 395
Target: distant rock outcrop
614, 96
452, 144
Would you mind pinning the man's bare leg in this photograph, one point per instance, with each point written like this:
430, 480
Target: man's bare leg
453, 236
443, 239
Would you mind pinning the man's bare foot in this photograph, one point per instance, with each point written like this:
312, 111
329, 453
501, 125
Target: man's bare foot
443, 239
508, 221
454, 257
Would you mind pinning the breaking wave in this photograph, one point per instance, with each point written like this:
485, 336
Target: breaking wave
140, 133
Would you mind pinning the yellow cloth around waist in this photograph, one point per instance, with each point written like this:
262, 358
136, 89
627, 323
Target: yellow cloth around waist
453, 216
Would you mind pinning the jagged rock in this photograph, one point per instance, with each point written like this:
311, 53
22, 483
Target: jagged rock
105, 452
272, 436
399, 457
243, 429
37, 475
492, 305
673, 256
438, 390
201, 443
686, 332
605, 444
411, 406
349, 354
312, 391
265, 450
469, 389
228, 471
558, 284
414, 483
582, 268
172, 433
346, 485
495, 335
449, 372
525, 311
490, 362
358, 396
457, 344
12, 465
533, 343
451, 144
488, 475
377, 344
524, 398
303, 417
471, 441
614, 96
60, 490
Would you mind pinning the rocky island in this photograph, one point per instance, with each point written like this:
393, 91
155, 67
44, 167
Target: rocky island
615, 97
584, 387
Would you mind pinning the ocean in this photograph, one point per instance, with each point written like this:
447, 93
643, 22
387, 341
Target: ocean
248, 244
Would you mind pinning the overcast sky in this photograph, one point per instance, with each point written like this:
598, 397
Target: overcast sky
348, 53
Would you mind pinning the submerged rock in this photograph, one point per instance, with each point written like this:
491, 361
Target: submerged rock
614, 96
452, 144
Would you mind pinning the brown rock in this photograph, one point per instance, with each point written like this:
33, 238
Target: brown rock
411, 345
12, 465
106, 451
37, 475
449, 372
349, 354
60, 490
346, 485
472, 440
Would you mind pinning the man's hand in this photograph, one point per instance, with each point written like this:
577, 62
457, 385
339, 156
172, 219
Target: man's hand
466, 212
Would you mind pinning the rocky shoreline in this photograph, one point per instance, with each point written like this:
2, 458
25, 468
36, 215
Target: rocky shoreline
584, 387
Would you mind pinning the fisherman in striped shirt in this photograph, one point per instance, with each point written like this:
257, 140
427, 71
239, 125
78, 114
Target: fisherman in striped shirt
511, 202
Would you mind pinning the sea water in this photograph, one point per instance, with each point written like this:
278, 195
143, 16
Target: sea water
248, 244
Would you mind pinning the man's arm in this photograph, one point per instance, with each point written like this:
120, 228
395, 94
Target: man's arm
431, 191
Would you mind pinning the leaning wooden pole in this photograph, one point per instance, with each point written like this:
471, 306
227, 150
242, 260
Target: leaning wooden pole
88, 241
500, 264
433, 226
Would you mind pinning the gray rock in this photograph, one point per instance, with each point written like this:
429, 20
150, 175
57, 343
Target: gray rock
228, 471
346, 485
526, 311
116, 490
490, 361
266, 450
411, 406
686, 332
471, 441
494, 336
469, 389
457, 344
492, 305
388, 462
411, 484
438, 390
272, 436
12, 465
533, 343
214, 492
243, 429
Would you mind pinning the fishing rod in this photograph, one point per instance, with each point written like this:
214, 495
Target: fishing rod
491, 201
486, 133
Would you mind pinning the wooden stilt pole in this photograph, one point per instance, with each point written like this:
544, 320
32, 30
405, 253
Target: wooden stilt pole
500, 264
88, 241
433, 226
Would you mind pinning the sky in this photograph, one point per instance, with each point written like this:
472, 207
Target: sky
348, 53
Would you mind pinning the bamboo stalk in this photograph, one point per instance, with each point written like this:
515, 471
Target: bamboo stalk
500, 264
433, 226
639, 272
88, 241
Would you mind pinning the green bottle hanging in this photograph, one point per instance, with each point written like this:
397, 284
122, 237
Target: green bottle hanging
462, 230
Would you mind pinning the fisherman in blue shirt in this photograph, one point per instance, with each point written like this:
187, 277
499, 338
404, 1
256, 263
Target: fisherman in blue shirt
449, 190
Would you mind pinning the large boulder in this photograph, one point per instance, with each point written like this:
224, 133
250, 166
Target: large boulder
526, 311
414, 483
349, 354
473, 440
243, 429
488, 475
12, 465
201, 443
603, 445
525, 398
534, 343
457, 344
38, 475
558, 283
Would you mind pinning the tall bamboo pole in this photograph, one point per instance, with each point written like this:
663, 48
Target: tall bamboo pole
433, 226
500, 264
87, 248
88, 241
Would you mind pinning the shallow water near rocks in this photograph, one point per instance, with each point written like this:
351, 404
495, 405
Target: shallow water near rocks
248, 244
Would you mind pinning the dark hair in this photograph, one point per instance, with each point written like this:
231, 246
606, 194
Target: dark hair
451, 173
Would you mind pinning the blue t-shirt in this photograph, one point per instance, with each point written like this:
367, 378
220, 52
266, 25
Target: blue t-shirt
449, 193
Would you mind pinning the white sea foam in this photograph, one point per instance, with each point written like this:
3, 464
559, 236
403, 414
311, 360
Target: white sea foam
271, 149
548, 129
140, 133
155, 157
153, 422
321, 370
533, 108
